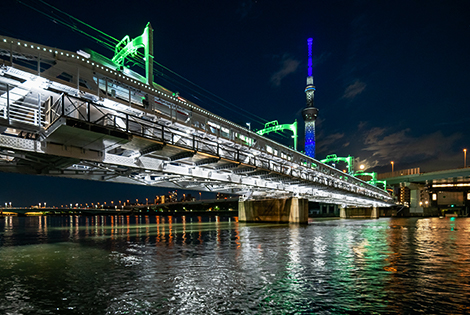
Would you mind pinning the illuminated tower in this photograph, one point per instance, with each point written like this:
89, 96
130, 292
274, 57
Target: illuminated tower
309, 113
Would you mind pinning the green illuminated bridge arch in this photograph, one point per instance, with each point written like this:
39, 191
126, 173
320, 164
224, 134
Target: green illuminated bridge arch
350, 164
373, 180
274, 126
348, 160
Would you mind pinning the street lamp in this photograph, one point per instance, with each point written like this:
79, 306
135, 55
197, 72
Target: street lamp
392, 165
464, 158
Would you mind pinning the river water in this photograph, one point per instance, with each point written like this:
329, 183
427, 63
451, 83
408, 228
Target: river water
165, 265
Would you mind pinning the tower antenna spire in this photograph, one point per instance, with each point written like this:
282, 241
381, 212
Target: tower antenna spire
309, 113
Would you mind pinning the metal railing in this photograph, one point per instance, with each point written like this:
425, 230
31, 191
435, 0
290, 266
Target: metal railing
113, 120
17, 106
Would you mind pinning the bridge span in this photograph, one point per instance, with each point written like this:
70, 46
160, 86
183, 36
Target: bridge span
437, 193
81, 115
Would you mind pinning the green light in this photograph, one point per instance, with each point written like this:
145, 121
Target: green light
373, 181
273, 126
128, 47
348, 160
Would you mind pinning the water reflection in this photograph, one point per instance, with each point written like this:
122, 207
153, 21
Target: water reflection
193, 265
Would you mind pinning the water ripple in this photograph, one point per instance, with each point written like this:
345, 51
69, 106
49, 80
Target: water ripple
166, 266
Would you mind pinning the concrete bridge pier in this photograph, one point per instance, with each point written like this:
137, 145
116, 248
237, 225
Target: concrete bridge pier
416, 192
375, 213
287, 210
359, 213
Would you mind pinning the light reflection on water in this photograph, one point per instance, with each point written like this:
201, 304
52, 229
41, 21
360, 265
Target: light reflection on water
159, 265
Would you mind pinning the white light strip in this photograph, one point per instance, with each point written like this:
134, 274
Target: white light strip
451, 185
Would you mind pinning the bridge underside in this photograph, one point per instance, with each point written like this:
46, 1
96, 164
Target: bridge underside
105, 155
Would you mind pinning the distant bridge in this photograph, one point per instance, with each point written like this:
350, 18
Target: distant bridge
432, 193
84, 116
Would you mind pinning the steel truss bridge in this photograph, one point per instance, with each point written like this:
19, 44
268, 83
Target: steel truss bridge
74, 115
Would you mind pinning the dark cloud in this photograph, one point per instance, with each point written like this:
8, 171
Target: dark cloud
354, 89
386, 146
362, 125
288, 65
327, 144
368, 163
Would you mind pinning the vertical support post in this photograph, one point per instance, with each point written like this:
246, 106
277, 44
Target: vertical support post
98, 87
8, 104
50, 103
106, 89
39, 65
130, 96
88, 112
38, 114
149, 54
342, 212
295, 135
127, 122
78, 79
63, 104
11, 53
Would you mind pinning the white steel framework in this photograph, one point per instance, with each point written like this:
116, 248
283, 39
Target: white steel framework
81, 116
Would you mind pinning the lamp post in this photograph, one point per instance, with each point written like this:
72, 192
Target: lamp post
392, 165
464, 158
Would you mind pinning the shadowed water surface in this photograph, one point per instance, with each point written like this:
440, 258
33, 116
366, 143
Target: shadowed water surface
165, 265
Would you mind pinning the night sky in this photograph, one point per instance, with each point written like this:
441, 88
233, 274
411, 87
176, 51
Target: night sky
391, 76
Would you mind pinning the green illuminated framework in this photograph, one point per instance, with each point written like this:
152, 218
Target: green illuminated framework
128, 47
273, 126
348, 160
373, 180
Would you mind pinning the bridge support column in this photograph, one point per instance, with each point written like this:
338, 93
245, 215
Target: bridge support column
358, 212
416, 195
292, 210
375, 213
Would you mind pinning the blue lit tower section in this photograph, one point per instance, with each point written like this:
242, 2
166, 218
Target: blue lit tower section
309, 113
